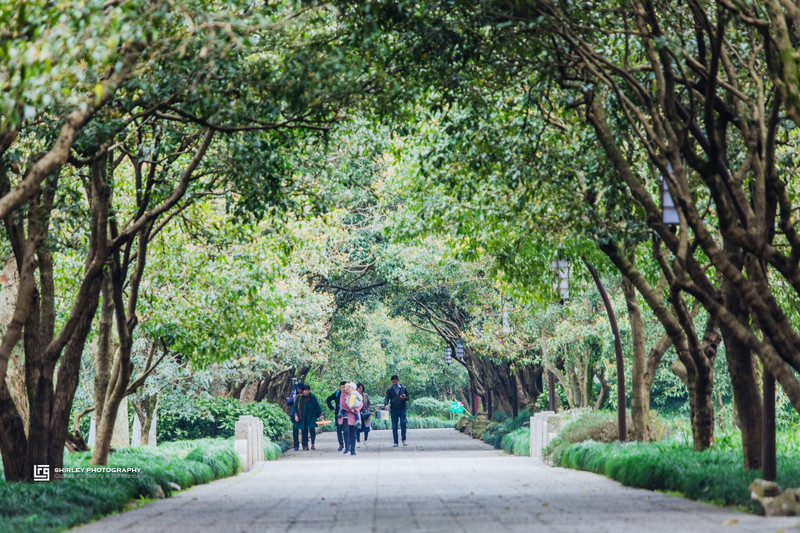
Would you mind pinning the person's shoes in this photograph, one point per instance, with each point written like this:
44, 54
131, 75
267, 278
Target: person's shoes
297, 448
340, 448
405, 443
305, 448
394, 445
352, 453
346, 452
366, 445
358, 445
312, 447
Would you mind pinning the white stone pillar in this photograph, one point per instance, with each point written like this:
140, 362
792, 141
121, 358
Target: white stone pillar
242, 430
251, 440
259, 440
532, 425
539, 432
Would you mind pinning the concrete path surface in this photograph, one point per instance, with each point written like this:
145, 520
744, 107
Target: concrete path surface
443, 481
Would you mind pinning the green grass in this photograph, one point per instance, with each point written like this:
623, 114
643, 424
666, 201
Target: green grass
716, 475
54, 506
598, 426
518, 442
508, 433
413, 422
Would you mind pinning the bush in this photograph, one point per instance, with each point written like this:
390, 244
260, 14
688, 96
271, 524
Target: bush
427, 406
715, 475
518, 442
217, 419
597, 426
54, 506
504, 425
413, 422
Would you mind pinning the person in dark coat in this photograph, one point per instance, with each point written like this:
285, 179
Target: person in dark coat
396, 398
297, 391
332, 402
307, 411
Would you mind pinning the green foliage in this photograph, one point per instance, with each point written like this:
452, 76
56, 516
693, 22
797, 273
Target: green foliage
597, 426
217, 418
413, 422
54, 506
715, 475
427, 406
518, 442
502, 426
272, 450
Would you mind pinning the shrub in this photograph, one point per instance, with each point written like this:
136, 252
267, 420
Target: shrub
502, 426
598, 426
413, 422
716, 475
427, 406
43, 507
217, 418
518, 442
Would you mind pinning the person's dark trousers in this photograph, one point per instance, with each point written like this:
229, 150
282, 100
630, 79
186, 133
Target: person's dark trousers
313, 432
295, 435
349, 438
340, 434
398, 415
365, 431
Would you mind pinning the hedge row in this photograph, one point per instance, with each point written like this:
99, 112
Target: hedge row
54, 506
715, 475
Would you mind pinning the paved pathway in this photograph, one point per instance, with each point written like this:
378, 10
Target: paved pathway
444, 481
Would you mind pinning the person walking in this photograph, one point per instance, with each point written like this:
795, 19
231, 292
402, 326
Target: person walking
307, 411
396, 398
332, 402
365, 416
348, 418
297, 390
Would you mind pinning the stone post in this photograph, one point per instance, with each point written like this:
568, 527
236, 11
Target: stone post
260, 440
241, 443
251, 439
532, 425
539, 435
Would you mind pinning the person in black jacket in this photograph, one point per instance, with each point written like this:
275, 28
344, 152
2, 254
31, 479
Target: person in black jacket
297, 390
332, 402
396, 398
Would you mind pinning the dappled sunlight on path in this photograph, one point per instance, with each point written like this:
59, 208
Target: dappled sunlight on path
443, 481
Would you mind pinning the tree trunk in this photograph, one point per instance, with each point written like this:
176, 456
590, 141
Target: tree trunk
146, 409
640, 391
744, 382
13, 443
